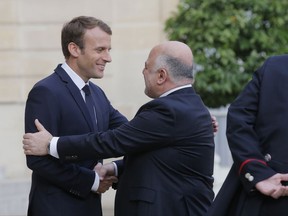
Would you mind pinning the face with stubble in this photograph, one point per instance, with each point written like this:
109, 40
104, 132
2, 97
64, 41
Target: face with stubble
92, 59
150, 74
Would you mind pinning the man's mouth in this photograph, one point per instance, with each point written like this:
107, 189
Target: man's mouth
101, 67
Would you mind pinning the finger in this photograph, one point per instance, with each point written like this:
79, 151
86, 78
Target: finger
275, 195
27, 152
278, 193
26, 141
27, 135
284, 177
286, 191
113, 179
109, 183
26, 146
39, 126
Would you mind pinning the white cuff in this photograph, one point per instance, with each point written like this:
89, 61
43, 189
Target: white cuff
96, 183
53, 147
115, 168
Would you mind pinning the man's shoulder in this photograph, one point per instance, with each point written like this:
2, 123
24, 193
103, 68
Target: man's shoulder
278, 59
49, 81
51, 84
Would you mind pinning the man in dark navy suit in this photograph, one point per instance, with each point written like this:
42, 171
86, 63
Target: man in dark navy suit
257, 135
168, 146
58, 101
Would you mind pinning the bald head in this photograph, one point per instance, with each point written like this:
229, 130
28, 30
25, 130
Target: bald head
169, 65
174, 49
176, 58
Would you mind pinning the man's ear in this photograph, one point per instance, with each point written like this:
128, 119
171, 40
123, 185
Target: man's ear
162, 75
74, 49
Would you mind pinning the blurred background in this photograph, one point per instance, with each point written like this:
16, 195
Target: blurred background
30, 49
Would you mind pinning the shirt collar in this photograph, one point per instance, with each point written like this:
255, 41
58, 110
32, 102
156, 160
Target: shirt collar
74, 76
175, 89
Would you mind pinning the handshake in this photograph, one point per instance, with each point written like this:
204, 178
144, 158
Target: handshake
106, 175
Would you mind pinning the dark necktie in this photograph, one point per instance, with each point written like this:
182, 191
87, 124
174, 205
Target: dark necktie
90, 105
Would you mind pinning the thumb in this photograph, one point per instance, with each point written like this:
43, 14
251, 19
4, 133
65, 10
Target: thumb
39, 126
97, 168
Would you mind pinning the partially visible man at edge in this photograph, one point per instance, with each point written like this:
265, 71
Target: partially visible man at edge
71, 189
257, 183
168, 145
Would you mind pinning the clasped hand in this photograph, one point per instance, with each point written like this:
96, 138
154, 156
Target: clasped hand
273, 186
107, 176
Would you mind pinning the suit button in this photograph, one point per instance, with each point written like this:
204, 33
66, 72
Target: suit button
71, 157
267, 157
249, 177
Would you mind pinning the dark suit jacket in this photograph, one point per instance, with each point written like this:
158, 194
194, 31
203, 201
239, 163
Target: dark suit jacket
169, 155
257, 136
65, 188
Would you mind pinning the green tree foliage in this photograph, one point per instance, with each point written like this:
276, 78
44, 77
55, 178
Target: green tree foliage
229, 39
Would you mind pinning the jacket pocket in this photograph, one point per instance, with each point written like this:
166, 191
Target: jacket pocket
142, 194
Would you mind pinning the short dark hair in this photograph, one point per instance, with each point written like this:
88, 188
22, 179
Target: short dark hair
74, 31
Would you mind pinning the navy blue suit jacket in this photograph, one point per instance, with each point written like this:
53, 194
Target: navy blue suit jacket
60, 188
257, 135
169, 155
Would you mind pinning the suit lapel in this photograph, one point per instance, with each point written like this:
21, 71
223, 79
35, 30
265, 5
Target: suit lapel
75, 93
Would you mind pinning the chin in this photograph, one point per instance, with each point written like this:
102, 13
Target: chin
98, 76
147, 94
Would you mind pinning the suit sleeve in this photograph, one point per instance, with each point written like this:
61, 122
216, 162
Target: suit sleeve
242, 137
70, 177
139, 135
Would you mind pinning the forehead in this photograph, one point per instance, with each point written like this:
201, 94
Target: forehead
97, 36
152, 56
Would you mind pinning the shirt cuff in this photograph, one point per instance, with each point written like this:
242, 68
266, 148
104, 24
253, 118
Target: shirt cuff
115, 168
95, 185
53, 147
